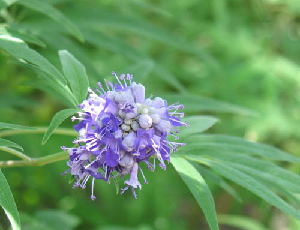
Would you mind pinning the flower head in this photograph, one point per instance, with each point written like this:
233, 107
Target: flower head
118, 130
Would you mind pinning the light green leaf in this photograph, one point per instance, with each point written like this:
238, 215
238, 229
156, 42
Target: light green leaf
76, 75
48, 10
248, 182
13, 126
6, 3
241, 222
10, 31
8, 204
8, 143
206, 173
20, 50
199, 189
214, 142
194, 103
57, 120
197, 124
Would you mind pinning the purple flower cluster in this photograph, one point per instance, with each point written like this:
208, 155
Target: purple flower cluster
119, 128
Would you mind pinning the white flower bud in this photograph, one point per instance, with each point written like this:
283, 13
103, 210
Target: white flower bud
145, 111
122, 97
164, 126
128, 141
155, 118
151, 110
111, 95
125, 127
145, 121
128, 121
148, 102
135, 126
121, 114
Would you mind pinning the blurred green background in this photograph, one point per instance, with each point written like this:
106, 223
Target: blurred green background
242, 53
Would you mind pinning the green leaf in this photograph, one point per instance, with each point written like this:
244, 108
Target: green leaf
8, 143
8, 204
257, 168
61, 89
241, 222
76, 75
206, 173
20, 50
209, 142
194, 103
199, 189
248, 182
13, 126
10, 31
57, 120
48, 10
6, 3
197, 124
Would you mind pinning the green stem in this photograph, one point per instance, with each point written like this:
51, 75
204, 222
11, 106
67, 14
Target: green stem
16, 153
63, 131
36, 161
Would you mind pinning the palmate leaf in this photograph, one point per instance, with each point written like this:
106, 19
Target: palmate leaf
199, 189
57, 120
8, 143
248, 182
48, 10
76, 75
8, 204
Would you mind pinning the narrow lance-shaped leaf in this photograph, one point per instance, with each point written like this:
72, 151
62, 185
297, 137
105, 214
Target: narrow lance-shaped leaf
199, 189
248, 182
8, 204
57, 120
8, 143
45, 8
241, 222
13, 126
76, 75
207, 174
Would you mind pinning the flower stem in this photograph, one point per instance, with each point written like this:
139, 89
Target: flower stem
16, 153
36, 161
64, 131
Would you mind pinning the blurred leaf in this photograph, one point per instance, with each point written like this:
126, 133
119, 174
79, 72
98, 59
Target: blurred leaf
195, 103
8, 143
47, 9
76, 74
235, 144
218, 180
199, 189
57, 120
197, 124
13, 126
23, 36
241, 222
248, 182
58, 220
6, 3
8, 204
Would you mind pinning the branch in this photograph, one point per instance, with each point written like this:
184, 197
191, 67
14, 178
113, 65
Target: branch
16, 153
36, 161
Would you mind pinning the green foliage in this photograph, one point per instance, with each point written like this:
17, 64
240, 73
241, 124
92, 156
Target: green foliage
8, 204
57, 120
